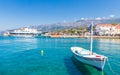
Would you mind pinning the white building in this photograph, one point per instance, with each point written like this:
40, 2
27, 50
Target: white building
117, 29
6, 33
105, 29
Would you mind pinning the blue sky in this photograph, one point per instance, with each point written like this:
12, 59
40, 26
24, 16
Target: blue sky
21, 13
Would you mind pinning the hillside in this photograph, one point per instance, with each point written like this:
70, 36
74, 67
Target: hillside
76, 24
70, 25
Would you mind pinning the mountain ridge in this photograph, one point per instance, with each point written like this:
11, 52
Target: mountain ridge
70, 25
76, 24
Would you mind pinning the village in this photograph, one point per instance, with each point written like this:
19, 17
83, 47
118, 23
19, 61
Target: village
99, 31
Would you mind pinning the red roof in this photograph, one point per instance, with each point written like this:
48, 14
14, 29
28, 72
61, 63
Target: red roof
117, 26
105, 25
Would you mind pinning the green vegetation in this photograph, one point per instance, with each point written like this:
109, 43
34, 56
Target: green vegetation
74, 31
114, 24
94, 28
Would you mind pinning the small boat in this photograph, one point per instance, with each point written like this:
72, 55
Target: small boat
89, 57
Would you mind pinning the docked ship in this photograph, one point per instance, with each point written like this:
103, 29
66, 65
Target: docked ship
24, 32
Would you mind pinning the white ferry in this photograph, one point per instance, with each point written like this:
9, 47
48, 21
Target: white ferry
25, 32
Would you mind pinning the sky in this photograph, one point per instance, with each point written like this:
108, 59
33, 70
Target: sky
22, 13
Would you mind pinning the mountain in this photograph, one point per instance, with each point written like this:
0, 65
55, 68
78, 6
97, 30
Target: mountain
57, 26
76, 24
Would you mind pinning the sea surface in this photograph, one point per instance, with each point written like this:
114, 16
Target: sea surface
52, 56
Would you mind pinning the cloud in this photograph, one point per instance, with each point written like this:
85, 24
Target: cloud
98, 18
112, 16
82, 18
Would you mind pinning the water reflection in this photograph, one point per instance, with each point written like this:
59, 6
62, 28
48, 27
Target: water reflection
86, 69
110, 40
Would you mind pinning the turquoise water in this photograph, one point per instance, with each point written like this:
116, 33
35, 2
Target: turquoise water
22, 56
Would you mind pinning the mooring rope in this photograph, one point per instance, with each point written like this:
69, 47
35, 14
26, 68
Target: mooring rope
111, 68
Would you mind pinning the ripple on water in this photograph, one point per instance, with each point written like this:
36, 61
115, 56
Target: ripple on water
22, 56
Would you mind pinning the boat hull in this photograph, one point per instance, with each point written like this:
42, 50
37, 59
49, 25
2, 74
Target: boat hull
95, 62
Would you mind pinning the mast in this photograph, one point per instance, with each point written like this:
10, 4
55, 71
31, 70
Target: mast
91, 39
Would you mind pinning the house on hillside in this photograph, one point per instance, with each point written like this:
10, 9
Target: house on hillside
105, 29
117, 29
